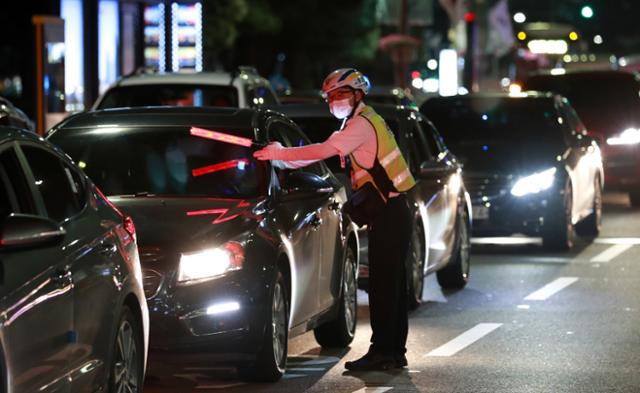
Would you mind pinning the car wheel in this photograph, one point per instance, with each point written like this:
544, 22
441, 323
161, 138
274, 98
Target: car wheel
634, 198
455, 274
340, 331
557, 234
415, 267
127, 366
590, 226
271, 360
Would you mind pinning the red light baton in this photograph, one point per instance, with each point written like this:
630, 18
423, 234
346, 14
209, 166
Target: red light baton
222, 137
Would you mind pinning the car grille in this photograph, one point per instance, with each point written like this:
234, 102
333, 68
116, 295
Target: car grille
151, 280
490, 186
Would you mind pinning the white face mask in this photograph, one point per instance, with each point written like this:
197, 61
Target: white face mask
341, 108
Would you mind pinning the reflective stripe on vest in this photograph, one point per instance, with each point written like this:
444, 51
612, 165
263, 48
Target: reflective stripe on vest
388, 155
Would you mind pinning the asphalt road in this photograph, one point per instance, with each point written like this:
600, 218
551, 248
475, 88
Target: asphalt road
528, 321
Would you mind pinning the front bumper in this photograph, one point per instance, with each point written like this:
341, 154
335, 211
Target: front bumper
188, 324
506, 214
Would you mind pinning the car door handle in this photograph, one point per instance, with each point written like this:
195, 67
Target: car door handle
108, 249
316, 221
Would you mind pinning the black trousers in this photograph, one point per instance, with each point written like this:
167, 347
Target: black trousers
389, 242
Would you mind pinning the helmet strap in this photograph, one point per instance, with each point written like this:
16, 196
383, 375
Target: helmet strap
355, 105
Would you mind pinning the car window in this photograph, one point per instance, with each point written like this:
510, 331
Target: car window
16, 196
575, 124
425, 151
433, 138
53, 182
168, 161
170, 94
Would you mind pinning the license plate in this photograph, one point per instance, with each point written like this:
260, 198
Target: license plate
480, 213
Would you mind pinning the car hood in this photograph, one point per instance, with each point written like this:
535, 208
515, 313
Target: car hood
506, 158
166, 227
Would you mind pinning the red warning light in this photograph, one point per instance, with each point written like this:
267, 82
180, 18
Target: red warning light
221, 137
469, 17
219, 167
415, 74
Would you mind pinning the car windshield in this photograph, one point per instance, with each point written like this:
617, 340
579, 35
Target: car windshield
491, 132
606, 103
167, 162
170, 94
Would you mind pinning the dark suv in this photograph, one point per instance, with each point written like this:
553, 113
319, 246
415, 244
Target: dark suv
237, 254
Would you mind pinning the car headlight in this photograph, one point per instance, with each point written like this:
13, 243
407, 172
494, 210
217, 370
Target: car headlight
630, 136
211, 263
535, 183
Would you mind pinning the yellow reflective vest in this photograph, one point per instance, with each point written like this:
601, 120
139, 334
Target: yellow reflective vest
390, 172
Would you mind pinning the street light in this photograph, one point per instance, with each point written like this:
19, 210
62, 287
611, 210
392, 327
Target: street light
587, 12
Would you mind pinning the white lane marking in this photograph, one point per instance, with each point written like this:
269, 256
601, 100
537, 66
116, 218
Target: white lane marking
550, 289
611, 252
377, 389
299, 369
465, 339
618, 240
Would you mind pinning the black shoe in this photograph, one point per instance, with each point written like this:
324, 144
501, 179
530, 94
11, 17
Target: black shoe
371, 362
400, 361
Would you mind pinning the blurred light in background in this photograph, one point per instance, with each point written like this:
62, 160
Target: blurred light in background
108, 38
71, 12
586, 12
431, 85
432, 64
573, 36
448, 73
519, 17
522, 36
597, 39
555, 47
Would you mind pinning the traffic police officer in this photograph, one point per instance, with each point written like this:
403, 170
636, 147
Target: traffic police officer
375, 159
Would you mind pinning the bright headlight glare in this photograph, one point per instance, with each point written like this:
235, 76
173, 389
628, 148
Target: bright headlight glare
535, 183
630, 136
211, 263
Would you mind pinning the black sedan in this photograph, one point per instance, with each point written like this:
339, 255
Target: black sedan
609, 104
528, 164
237, 255
441, 205
73, 311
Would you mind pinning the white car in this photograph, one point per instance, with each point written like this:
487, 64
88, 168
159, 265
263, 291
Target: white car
242, 88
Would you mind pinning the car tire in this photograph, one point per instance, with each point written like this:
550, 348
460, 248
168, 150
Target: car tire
127, 366
590, 226
557, 233
271, 360
415, 267
634, 198
455, 274
339, 332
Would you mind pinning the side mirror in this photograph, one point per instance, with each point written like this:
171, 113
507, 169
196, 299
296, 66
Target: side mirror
305, 184
24, 231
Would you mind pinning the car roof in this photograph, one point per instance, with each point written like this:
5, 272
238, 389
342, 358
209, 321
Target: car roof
191, 78
15, 133
496, 95
145, 117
